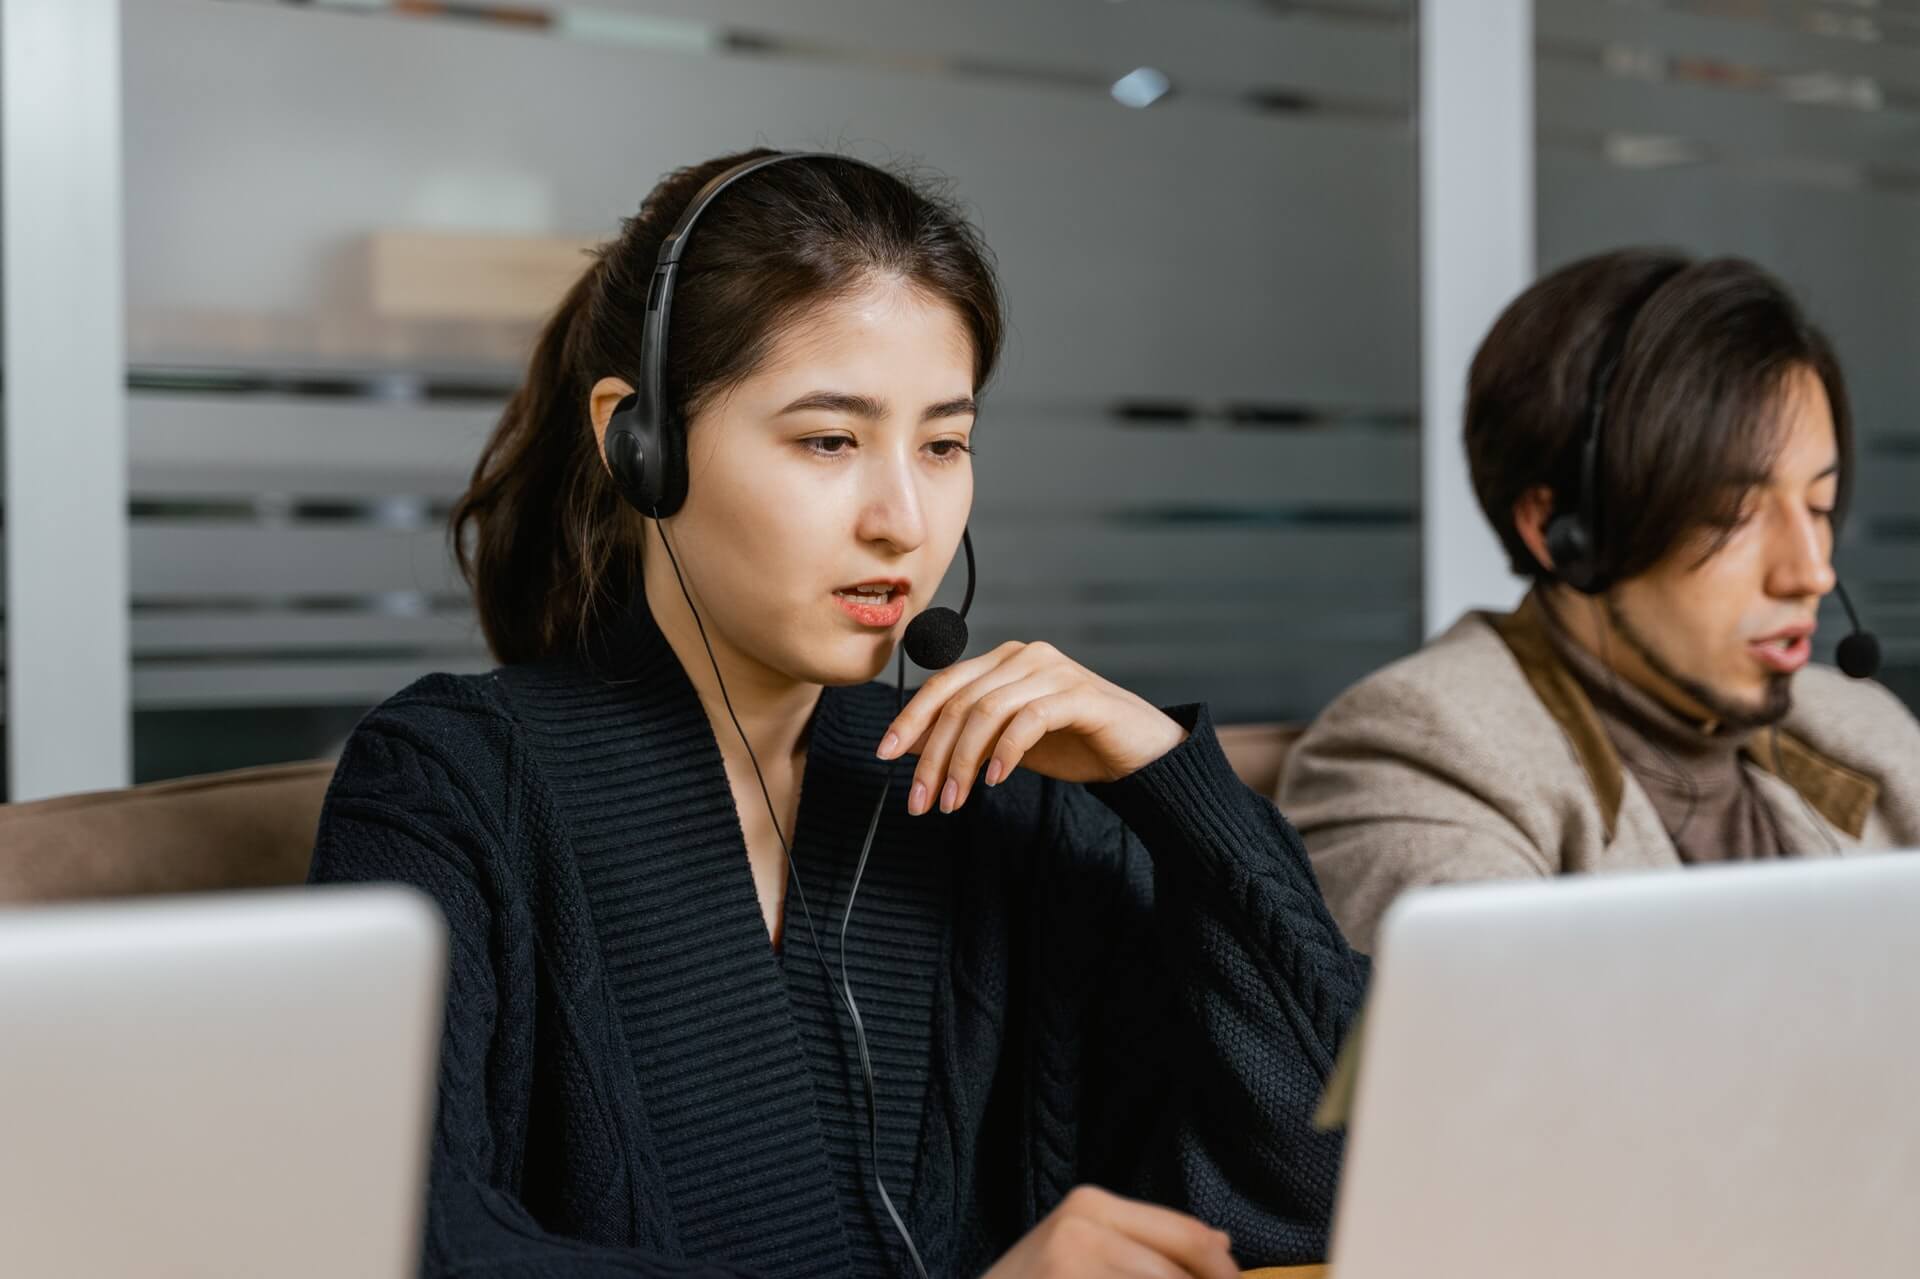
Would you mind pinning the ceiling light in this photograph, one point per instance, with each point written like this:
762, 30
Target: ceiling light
1141, 87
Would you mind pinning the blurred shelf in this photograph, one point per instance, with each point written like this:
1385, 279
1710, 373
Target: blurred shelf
329, 345
428, 305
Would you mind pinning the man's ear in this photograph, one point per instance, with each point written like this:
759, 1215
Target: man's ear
1531, 511
601, 402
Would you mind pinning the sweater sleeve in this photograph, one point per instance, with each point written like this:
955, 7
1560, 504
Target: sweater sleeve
407, 805
1222, 998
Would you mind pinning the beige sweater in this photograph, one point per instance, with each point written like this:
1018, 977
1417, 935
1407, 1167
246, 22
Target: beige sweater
1479, 757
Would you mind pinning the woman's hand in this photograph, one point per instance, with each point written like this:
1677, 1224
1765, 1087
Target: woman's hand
1022, 704
1093, 1233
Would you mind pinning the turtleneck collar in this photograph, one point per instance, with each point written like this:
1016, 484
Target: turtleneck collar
1651, 725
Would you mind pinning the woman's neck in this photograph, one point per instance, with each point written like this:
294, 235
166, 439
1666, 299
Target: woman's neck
773, 709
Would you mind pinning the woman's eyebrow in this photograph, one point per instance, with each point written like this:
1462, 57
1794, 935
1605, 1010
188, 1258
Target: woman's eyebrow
865, 406
862, 406
960, 406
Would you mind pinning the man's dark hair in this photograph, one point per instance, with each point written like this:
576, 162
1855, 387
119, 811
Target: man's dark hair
1690, 415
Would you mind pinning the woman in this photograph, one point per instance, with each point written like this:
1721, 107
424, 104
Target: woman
1084, 953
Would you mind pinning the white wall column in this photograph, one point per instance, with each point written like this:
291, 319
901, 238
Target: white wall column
1476, 253
67, 678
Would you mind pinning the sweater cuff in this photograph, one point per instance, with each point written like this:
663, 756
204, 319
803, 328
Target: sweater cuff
1189, 799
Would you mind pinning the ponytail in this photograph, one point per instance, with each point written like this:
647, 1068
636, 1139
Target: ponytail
537, 533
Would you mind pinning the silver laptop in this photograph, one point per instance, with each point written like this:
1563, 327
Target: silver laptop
218, 1087
1705, 1074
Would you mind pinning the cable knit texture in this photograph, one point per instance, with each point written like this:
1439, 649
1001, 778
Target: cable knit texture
1135, 985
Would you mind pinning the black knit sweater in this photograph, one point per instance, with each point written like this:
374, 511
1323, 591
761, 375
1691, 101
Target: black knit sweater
1135, 985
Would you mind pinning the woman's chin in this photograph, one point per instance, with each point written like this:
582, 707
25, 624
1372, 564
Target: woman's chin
855, 660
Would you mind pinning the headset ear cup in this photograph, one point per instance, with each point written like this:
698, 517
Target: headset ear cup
648, 463
1571, 547
626, 454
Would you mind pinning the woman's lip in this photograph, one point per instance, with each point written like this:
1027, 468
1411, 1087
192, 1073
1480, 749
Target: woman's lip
897, 586
1783, 661
878, 616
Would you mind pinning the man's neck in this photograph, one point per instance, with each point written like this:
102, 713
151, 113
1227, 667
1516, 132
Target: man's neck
1585, 620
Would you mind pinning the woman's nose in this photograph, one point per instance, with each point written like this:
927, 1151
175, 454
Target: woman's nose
891, 511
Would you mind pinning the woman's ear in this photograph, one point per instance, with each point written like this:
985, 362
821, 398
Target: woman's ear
601, 402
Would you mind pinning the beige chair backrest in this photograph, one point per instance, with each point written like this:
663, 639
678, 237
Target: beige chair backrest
1258, 752
248, 829
254, 828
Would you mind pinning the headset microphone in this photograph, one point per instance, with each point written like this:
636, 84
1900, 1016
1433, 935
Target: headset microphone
1859, 653
936, 638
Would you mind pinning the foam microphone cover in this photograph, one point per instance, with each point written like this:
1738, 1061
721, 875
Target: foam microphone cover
936, 638
1858, 655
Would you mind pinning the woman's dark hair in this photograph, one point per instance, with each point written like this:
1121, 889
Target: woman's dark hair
542, 536
1691, 415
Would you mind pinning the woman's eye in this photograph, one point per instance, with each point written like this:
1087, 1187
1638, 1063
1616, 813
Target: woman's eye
949, 450
828, 445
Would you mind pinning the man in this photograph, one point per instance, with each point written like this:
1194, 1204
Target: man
1664, 447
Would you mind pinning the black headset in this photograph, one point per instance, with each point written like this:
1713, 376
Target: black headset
646, 443
1573, 536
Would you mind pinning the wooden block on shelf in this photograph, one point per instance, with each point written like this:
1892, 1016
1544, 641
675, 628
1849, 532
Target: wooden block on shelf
439, 275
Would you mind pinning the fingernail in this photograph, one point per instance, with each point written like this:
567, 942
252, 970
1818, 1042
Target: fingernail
917, 799
949, 795
888, 745
993, 772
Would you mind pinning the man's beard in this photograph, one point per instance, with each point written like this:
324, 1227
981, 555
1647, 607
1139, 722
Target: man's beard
1732, 715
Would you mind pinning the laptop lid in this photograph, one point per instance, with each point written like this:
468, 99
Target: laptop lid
1710, 1073
221, 1086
